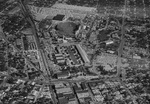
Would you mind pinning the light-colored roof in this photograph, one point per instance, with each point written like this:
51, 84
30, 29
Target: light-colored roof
27, 31
83, 53
73, 7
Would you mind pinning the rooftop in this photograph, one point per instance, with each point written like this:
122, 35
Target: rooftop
27, 31
59, 17
83, 53
63, 101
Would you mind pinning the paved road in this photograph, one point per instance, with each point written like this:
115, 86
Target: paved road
41, 51
51, 82
120, 50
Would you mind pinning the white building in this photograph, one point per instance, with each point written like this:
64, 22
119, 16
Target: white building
82, 53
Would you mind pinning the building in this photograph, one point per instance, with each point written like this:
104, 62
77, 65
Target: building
67, 29
87, 99
93, 85
45, 24
61, 85
83, 86
18, 41
27, 31
83, 94
83, 54
29, 43
99, 98
63, 75
25, 43
64, 90
59, 59
59, 17
46, 35
72, 102
108, 42
70, 96
70, 54
63, 101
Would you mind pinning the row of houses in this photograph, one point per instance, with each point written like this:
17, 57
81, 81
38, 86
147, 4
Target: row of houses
75, 53
64, 94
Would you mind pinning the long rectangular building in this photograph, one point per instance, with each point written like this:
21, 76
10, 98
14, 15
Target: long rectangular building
82, 53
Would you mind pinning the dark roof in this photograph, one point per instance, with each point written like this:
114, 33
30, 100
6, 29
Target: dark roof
45, 24
69, 96
103, 35
67, 28
25, 43
77, 88
83, 86
93, 84
82, 91
87, 99
59, 17
60, 95
63, 101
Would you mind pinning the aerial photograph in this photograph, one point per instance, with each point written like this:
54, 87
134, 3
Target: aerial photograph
74, 51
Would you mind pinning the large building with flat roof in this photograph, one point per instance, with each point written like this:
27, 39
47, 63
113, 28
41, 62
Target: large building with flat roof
82, 53
59, 17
